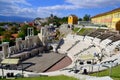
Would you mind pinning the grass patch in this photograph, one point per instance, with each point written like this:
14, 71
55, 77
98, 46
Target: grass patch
82, 31
86, 57
61, 77
115, 74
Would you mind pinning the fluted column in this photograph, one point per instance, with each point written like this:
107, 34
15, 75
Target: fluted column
5, 46
18, 44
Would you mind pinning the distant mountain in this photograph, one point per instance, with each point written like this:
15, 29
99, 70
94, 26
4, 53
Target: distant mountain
14, 19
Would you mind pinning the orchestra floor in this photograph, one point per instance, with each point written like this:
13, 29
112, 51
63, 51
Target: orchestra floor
46, 62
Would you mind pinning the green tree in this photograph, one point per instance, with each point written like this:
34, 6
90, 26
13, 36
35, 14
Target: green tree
86, 17
23, 31
45, 23
21, 34
1, 31
6, 36
80, 19
63, 20
35, 31
14, 29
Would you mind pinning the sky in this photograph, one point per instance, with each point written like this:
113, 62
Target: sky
61, 8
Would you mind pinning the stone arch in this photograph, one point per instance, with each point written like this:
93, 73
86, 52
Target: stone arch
118, 26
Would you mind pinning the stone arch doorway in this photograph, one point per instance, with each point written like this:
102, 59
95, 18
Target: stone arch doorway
118, 26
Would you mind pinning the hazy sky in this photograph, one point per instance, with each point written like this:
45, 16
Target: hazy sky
43, 8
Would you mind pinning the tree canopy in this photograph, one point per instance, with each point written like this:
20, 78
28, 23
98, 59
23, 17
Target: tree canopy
80, 19
23, 31
13, 29
6, 36
1, 30
86, 17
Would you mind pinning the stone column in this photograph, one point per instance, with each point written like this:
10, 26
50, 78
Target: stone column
44, 35
5, 46
25, 43
29, 42
30, 31
35, 41
18, 44
26, 39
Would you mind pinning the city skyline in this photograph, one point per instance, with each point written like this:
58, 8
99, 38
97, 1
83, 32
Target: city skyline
61, 8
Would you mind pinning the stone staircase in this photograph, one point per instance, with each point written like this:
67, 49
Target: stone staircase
73, 45
65, 30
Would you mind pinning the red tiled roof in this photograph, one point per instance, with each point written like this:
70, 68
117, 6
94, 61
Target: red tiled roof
14, 35
1, 37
